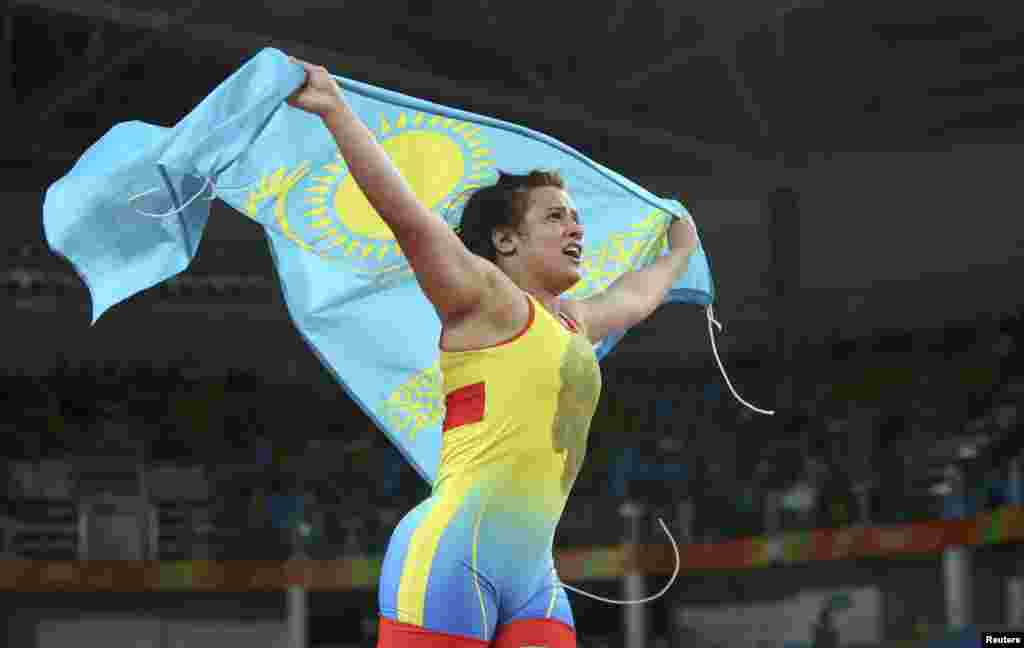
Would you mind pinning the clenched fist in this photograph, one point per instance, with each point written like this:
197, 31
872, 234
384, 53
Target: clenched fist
320, 94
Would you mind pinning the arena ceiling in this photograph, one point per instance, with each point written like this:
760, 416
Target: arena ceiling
715, 83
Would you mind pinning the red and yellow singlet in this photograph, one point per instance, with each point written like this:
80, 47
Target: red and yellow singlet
477, 554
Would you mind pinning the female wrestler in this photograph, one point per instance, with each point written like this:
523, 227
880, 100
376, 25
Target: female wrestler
472, 565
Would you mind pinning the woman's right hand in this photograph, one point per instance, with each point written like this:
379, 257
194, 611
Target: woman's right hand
319, 94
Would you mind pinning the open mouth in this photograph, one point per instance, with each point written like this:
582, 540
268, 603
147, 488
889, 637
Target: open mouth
574, 252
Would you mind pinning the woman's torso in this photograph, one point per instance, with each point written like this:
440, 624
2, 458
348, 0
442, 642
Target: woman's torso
515, 430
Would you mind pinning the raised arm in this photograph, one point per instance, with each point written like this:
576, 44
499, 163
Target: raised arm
453, 279
636, 294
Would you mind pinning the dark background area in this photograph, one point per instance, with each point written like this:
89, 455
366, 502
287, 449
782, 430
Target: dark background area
852, 166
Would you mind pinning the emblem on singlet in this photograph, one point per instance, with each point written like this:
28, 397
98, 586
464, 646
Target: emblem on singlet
581, 388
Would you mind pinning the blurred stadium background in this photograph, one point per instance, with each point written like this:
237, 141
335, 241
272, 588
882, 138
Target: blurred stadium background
185, 473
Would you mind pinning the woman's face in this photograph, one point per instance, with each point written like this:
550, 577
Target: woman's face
551, 238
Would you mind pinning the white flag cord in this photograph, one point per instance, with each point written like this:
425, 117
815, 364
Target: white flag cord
711, 333
208, 183
675, 573
712, 322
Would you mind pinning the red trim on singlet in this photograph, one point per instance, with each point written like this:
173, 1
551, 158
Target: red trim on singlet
392, 634
463, 406
529, 323
550, 633
570, 323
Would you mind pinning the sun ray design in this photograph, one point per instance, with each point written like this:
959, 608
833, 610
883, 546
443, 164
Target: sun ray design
326, 235
338, 241
416, 404
335, 220
274, 185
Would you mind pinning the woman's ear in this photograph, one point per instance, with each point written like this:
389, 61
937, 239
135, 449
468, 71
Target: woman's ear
505, 241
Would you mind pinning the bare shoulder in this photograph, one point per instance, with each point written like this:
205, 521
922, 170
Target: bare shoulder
502, 295
501, 314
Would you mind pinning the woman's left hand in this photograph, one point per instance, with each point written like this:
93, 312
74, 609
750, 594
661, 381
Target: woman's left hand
682, 234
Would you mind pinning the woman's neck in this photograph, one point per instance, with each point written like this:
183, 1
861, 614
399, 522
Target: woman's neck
552, 303
547, 298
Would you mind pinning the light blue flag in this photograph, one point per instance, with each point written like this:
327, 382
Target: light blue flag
130, 214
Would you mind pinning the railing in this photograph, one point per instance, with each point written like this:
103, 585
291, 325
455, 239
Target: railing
41, 528
173, 528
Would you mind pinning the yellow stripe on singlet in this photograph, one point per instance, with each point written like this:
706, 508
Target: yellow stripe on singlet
554, 595
476, 572
412, 588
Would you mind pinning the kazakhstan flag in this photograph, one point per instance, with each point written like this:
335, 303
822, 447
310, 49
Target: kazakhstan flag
132, 210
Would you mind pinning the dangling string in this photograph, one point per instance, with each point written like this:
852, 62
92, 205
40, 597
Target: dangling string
714, 348
208, 182
675, 573
712, 322
219, 188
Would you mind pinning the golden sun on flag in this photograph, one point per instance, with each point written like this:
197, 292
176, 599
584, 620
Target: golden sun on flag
442, 159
